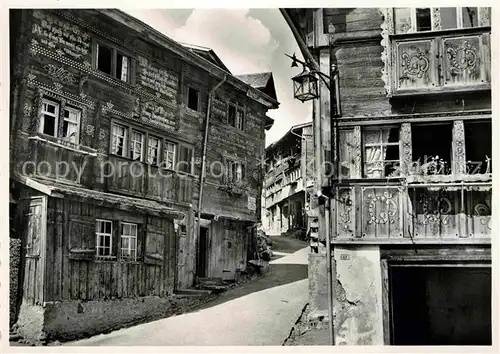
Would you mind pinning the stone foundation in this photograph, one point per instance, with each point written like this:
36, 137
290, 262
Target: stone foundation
71, 320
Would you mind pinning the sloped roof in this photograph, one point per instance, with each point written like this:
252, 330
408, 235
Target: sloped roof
207, 54
291, 131
257, 81
261, 81
112, 200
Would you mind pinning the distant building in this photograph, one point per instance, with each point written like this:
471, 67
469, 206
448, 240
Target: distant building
285, 196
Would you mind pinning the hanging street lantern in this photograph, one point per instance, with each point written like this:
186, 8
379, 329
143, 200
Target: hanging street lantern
305, 86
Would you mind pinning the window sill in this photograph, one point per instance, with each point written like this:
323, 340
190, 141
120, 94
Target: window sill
51, 140
109, 76
453, 31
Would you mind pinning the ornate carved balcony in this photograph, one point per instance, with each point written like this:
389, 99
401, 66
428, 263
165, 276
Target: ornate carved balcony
441, 61
451, 213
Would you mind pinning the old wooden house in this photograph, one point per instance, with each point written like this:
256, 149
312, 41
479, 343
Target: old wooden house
285, 196
410, 215
112, 124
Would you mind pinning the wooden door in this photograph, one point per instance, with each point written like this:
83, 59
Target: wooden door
202, 263
33, 242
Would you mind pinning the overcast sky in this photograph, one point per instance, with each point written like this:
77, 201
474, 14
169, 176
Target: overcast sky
247, 41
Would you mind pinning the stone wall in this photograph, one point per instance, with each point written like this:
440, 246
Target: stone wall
357, 293
14, 264
71, 320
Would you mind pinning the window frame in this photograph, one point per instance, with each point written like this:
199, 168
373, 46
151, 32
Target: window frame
198, 99
133, 143
114, 60
129, 237
164, 142
41, 122
158, 150
231, 172
239, 121
78, 123
413, 19
380, 145
125, 140
173, 166
110, 235
59, 120
179, 147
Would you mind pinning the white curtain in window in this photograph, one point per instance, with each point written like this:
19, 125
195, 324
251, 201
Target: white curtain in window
136, 143
124, 75
375, 155
118, 139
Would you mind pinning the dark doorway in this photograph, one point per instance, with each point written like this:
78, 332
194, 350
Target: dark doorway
433, 305
202, 264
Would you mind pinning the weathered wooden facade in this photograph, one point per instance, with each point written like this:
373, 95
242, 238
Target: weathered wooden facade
411, 197
109, 122
285, 195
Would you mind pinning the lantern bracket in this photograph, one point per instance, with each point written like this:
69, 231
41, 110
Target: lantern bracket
323, 76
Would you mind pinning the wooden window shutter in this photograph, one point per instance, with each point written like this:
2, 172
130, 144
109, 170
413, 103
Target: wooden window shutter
116, 241
141, 241
185, 159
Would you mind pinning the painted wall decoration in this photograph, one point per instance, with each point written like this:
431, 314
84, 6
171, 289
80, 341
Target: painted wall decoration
160, 80
156, 114
64, 38
59, 73
219, 109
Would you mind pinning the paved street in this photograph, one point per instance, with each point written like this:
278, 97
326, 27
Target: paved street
260, 312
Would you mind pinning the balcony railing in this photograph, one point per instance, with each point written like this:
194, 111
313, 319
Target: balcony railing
441, 61
439, 213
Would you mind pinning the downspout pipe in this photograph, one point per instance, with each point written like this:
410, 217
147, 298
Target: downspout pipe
203, 165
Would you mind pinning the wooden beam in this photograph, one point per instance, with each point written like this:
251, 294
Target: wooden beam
36, 185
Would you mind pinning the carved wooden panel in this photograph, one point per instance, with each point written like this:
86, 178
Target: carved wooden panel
382, 212
416, 65
478, 211
462, 60
485, 16
346, 212
435, 213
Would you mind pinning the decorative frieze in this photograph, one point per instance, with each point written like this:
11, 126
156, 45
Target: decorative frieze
59, 73
436, 19
406, 147
459, 158
356, 148
387, 29
90, 130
